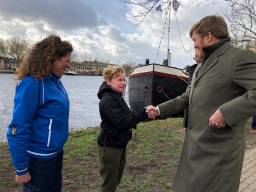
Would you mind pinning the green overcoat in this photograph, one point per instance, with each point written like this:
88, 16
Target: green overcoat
211, 159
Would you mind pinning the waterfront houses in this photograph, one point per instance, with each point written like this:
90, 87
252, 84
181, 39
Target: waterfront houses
7, 63
93, 67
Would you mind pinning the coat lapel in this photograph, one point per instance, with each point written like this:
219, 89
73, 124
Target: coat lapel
202, 69
195, 76
206, 67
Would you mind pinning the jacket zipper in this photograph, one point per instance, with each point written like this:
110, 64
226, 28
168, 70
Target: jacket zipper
49, 133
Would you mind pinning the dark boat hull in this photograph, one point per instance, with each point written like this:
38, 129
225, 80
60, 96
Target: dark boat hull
153, 88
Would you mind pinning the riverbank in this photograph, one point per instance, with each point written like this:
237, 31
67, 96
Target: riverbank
7, 72
151, 159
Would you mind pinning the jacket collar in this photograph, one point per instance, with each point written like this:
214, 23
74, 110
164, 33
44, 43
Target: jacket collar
54, 77
212, 59
209, 50
106, 89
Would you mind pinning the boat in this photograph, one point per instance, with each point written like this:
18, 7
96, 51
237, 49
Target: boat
70, 72
152, 84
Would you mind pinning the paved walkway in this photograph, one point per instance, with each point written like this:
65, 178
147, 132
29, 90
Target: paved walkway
248, 178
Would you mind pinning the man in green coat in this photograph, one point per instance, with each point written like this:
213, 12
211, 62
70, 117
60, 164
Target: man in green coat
221, 97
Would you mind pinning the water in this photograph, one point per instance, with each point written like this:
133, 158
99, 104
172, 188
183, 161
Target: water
82, 90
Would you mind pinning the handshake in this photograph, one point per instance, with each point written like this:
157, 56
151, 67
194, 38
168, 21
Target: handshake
152, 111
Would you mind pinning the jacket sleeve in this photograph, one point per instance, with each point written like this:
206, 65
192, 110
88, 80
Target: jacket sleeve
244, 76
175, 106
18, 135
113, 112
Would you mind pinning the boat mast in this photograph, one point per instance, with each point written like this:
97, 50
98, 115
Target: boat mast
173, 4
168, 40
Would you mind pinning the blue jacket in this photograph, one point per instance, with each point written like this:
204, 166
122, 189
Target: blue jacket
39, 127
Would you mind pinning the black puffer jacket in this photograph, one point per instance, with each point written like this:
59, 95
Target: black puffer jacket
117, 119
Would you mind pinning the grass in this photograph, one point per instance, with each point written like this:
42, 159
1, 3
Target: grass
151, 160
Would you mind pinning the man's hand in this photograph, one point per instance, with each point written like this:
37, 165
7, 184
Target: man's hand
21, 179
217, 120
152, 112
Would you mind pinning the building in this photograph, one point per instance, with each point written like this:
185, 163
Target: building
7, 63
89, 67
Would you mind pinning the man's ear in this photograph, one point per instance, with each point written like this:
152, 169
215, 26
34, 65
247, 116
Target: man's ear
209, 37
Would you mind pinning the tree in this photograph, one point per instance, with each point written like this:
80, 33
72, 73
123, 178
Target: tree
141, 8
242, 16
128, 68
3, 48
17, 48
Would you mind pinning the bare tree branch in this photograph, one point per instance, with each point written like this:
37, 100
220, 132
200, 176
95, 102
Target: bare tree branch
242, 16
146, 6
17, 48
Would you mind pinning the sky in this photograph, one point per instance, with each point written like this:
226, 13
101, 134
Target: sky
104, 29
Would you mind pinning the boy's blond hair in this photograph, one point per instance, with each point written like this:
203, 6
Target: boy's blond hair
111, 72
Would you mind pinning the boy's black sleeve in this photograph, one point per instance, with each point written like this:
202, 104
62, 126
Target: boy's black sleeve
112, 111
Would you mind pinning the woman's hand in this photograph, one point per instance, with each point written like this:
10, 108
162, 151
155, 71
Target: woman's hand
21, 179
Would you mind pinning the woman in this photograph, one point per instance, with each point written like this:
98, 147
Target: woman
39, 127
117, 122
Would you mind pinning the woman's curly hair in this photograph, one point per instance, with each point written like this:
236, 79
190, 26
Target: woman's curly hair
40, 59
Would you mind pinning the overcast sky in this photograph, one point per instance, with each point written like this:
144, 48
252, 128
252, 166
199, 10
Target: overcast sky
103, 30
